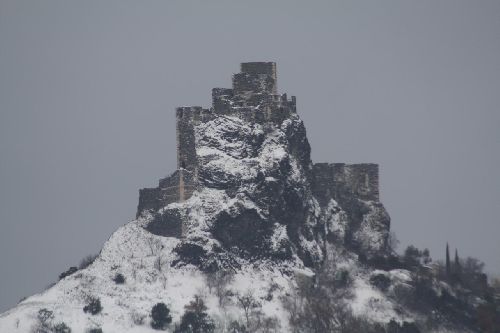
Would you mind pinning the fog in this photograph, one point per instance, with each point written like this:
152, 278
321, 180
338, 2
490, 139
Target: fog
88, 91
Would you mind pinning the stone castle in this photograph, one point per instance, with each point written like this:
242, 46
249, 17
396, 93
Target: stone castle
254, 98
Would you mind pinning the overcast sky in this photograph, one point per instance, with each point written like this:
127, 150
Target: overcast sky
88, 91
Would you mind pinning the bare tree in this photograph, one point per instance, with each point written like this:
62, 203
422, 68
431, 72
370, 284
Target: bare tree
154, 244
218, 282
270, 325
160, 262
248, 302
293, 304
164, 280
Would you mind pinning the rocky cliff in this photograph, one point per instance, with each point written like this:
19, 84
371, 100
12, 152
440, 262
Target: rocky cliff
249, 189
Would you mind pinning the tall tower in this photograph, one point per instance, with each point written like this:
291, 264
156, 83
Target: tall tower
255, 78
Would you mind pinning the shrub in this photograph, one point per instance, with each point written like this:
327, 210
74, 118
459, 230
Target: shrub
119, 278
45, 315
70, 271
385, 263
237, 327
380, 281
44, 321
61, 328
87, 261
93, 306
137, 318
218, 282
95, 330
406, 327
342, 279
248, 303
195, 319
160, 315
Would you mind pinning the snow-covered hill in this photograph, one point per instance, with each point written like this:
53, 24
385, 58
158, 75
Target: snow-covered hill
247, 216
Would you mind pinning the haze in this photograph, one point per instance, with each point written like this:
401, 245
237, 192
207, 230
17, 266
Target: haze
88, 91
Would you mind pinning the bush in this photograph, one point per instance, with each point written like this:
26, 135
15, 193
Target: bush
342, 279
61, 328
137, 318
385, 263
93, 306
237, 327
380, 281
195, 319
70, 271
160, 315
87, 261
119, 278
44, 321
406, 327
95, 330
45, 316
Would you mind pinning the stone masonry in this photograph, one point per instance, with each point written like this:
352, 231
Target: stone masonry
253, 98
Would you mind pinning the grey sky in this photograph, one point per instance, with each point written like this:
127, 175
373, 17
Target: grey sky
88, 91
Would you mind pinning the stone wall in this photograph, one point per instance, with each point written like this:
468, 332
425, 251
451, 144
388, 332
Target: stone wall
255, 78
186, 118
177, 187
254, 98
355, 187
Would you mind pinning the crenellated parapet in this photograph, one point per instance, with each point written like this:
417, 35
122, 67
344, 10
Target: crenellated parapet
254, 95
254, 98
255, 78
177, 187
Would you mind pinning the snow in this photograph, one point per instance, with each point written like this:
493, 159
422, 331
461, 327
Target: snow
234, 152
371, 303
130, 252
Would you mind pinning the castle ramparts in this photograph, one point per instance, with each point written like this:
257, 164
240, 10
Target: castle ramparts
254, 98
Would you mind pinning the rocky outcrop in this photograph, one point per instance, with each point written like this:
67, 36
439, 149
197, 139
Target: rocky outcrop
354, 187
246, 188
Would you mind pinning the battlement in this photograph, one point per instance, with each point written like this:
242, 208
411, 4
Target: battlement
177, 187
255, 78
192, 113
252, 98
268, 68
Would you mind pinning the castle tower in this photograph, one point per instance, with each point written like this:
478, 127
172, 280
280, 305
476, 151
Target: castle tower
186, 150
255, 78
253, 97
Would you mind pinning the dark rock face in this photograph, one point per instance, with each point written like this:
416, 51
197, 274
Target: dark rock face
168, 224
246, 188
244, 233
355, 188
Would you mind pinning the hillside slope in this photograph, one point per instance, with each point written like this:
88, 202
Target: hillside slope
248, 204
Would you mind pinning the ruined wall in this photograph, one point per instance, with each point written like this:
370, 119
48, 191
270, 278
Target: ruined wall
253, 98
255, 78
177, 187
182, 183
186, 118
268, 68
355, 187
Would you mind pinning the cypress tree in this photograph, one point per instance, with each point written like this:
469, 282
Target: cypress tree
457, 268
448, 268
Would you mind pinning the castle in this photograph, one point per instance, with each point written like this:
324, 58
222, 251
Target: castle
254, 98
